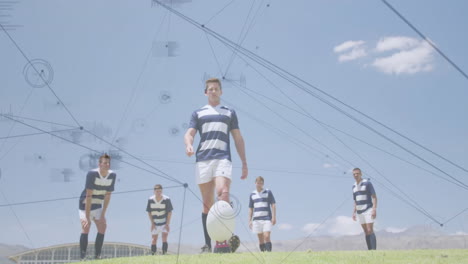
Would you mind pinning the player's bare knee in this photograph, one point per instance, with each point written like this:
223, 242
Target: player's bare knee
102, 228
223, 194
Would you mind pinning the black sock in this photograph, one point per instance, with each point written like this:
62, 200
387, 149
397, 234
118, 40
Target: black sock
83, 245
205, 230
373, 241
153, 249
368, 242
164, 248
262, 247
98, 244
268, 246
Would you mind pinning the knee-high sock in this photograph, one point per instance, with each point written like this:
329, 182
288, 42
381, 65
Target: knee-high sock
262, 247
205, 230
164, 248
268, 246
98, 244
153, 249
368, 242
83, 244
373, 241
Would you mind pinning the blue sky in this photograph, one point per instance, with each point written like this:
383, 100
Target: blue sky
131, 73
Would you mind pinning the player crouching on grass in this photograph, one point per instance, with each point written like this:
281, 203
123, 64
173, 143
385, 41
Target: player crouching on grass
262, 207
159, 208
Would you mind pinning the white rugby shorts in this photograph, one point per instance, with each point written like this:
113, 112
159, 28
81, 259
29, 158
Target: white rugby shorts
261, 226
158, 230
366, 217
205, 171
93, 214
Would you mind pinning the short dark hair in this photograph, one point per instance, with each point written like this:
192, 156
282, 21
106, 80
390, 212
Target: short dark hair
357, 169
104, 156
158, 186
260, 178
213, 80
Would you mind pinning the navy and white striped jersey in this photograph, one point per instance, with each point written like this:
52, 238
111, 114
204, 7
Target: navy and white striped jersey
214, 125
100, 186
159, 210
362, 195
261, 202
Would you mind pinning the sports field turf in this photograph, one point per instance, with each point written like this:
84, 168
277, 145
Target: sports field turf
439, 256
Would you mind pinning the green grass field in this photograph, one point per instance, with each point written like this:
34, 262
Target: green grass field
442, 256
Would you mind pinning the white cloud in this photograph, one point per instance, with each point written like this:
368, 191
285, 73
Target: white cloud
414, 60
285, 227
350, 44
353, 49
398, 43
328, 165
405, 55
356, 53
311, 228
343, 226
338, 226
395, 230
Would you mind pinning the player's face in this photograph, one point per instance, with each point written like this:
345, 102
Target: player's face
357, 175
259, 184
158, 191
213, 91
104, 164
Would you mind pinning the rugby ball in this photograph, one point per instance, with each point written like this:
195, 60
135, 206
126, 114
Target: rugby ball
221, 221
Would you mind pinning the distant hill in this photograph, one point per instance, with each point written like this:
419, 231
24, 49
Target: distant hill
418, 237
8, 250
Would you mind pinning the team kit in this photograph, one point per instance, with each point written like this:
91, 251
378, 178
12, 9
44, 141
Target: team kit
215, 125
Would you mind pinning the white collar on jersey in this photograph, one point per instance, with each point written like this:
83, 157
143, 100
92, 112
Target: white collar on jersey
108, 173
259, 192
362, 181
164, 197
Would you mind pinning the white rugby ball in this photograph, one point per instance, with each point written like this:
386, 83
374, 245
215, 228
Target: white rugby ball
221, 221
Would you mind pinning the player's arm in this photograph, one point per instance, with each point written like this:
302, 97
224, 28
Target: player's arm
250, 217
374, 207
150, 216
354, 211
273, 213
88, 200
107, 198
168, 221
188, 140
240, 147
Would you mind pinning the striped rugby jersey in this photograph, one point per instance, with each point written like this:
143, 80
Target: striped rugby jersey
362, 195
159, 210
261, 202
100, 186
214, 125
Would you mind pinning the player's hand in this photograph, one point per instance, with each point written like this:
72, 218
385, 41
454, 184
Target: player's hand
86, 222
250, 224
374, 214
153, 226
168, 228
189, 150
245, 171
354, 216
273, 221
